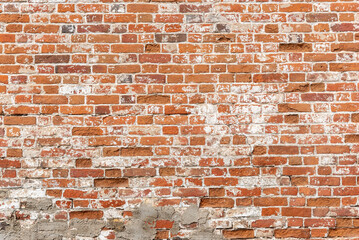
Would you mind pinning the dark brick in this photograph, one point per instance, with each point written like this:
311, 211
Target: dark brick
171, 38
68, 28
52, 58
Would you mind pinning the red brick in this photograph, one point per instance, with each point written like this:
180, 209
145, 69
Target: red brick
139, 172
270, 202
217, 202
292, 233
19, 120
141, 8
238, 234
154, 99
78, 173
72, 193
111, 182
324, 202
86, 214
296, 212
50, 99
164, 224
343, 232
295, 47
143, 151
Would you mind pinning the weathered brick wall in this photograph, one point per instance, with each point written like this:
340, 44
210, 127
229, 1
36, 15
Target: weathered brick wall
167, 119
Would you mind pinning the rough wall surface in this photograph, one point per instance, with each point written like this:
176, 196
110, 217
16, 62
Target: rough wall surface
167, 119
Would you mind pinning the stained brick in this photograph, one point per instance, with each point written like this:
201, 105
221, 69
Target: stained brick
52, 58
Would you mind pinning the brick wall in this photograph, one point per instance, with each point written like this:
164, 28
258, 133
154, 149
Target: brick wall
168, 119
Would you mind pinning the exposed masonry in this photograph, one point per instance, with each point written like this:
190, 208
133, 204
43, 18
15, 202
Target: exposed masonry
167, 119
